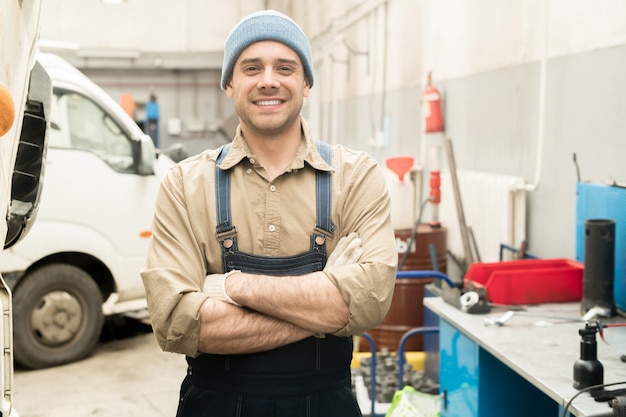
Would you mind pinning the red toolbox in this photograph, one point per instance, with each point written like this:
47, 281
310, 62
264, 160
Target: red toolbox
530, 281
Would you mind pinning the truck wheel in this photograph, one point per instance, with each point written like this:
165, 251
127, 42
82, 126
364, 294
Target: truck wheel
57, 316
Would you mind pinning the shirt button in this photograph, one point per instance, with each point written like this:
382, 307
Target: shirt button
249, 171
272, 228
272, 188
252, 161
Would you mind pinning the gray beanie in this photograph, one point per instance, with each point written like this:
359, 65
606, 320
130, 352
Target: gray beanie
266, 25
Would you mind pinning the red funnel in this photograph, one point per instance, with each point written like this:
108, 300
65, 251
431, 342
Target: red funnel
400, 165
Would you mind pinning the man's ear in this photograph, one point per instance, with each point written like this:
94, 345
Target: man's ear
229, 88
307, 88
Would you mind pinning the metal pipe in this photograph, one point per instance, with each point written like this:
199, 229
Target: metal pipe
372, 344
401, 347
469, 258
425, 274
340, 24
543, 74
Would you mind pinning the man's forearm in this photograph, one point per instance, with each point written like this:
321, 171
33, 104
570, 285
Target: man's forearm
309, 301
228, 329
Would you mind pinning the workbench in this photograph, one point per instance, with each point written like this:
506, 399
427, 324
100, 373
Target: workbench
522, 368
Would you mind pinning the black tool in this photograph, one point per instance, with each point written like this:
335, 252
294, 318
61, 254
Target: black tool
588, 370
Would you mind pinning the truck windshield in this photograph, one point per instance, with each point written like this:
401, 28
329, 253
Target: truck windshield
79, 123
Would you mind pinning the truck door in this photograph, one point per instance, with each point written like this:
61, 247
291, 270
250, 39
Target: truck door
90, 238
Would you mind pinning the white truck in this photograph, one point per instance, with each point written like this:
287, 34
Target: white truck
25, 96
81, 260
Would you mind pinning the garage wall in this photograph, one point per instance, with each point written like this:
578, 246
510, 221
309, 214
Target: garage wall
526, 84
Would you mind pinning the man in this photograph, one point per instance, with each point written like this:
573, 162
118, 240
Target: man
238, 276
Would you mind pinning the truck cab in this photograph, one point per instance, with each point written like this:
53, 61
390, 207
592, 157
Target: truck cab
25, 98
81, 260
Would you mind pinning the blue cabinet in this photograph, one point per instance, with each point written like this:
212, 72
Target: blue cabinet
475, 383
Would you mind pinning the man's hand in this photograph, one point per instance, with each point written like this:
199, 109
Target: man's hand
214, 285
348, 251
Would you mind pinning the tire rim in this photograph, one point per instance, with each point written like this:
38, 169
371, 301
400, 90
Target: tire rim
56, 318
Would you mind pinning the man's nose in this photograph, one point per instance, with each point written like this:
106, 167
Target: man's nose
268, 79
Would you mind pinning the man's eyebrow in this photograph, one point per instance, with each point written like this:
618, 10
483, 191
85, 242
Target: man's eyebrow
250, 60
287, 61
279, 60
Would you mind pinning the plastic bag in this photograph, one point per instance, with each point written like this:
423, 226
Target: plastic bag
408, 402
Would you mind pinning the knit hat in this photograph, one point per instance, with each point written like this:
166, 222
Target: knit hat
266, 25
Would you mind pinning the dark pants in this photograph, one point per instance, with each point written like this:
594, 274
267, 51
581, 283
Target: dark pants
197, 401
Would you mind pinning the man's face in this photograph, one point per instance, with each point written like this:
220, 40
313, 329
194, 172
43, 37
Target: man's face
268, 88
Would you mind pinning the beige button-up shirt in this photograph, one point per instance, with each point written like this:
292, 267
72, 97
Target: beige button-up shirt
273, 218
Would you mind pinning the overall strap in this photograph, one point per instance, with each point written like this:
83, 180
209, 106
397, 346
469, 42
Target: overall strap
224, 226
323, 190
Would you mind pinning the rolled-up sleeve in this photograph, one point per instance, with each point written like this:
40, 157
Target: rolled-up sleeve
174, 271
365, 208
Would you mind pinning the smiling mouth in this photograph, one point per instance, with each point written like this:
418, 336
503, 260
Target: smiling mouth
268, 102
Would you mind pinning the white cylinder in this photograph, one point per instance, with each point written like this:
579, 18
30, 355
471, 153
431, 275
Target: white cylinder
402, 200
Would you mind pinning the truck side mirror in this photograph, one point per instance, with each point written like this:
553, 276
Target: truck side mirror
147, 156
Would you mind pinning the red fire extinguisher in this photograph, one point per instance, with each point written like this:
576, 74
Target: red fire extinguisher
433, 119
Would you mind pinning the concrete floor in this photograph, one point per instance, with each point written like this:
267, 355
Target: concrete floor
128, 377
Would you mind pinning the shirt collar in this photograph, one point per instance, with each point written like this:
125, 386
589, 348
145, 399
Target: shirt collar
307, 152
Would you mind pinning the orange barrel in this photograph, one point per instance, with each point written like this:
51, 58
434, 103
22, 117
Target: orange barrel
407, 307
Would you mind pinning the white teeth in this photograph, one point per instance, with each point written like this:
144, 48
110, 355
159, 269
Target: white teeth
268, 102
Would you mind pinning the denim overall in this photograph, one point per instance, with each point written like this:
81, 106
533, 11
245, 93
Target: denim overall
309, 378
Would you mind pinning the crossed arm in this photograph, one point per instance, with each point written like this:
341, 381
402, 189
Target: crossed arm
249, 312
228, 329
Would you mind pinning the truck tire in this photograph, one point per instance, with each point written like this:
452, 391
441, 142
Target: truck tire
57, 316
